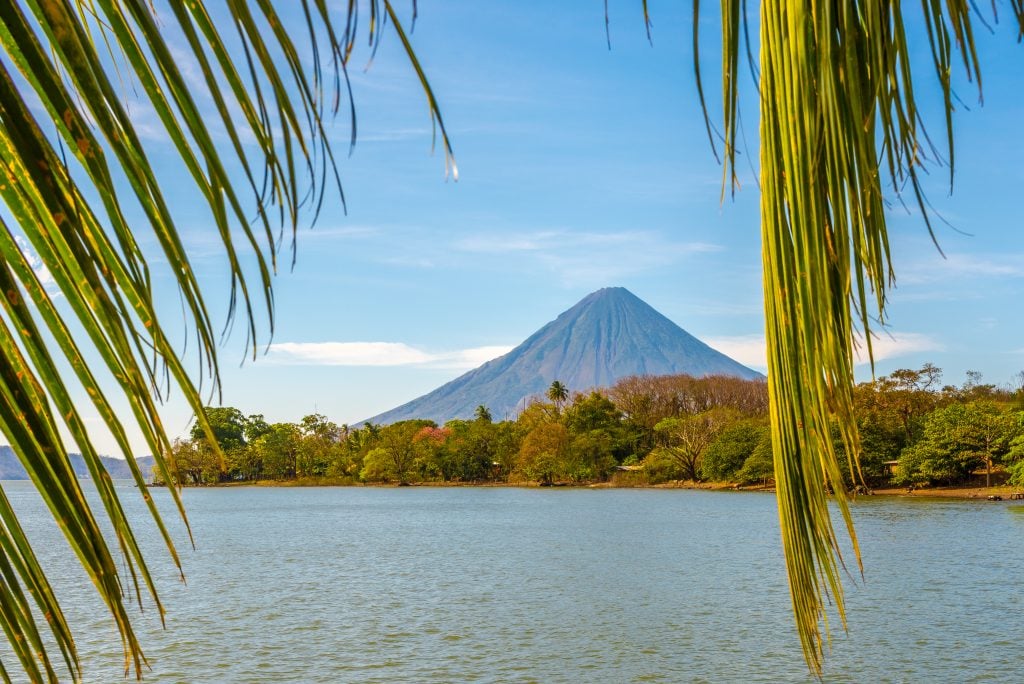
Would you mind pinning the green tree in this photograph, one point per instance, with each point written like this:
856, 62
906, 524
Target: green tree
255, 427
731, 449
543, 454
958, 439
557, 393
508, 438
593, 411
195, 462
1015, 454
685, 439
320, 449
278, 451
228, 425
470, 452
482, 413
377, 467
660, 465
905, 396
591, 455
760, 465
396, 442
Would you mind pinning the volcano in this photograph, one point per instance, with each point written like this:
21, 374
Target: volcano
608, 335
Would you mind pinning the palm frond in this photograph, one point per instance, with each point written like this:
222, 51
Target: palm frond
74, 176
838, 108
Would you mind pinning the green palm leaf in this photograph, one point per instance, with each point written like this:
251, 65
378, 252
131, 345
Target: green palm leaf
70, 176
837, 109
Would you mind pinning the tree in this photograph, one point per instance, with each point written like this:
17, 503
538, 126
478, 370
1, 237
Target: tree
958, 439
1015, 454
593, 411
196, 463
470, 451
557, 393
320, 448
255, 427
482, 413
731, 448
685, 439
837, 108
543, 454
398, 447
278, 451
760, 465
430, 447
908, 395
377, 467
228, 425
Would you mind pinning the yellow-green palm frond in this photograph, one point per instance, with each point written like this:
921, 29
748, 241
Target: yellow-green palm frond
839, 124
241, 109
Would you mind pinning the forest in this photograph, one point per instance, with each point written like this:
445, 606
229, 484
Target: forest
643, 430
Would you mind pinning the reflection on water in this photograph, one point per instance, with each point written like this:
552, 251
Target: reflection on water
525, 585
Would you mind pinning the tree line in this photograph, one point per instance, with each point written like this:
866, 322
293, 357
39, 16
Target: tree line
642, 430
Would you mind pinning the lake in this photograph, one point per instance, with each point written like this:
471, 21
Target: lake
539, 585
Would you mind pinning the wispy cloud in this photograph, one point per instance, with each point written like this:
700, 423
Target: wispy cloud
751, 350
548, 240
582, 258
339, 232
378, 354
408, 262
385, 135
963, 266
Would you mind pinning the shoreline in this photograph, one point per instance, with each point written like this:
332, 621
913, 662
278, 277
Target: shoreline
968, 492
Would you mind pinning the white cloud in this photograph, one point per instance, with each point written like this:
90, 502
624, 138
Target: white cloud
751, 350
892, 345
378, 354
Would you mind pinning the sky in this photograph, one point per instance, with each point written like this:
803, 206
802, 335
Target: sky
582, 167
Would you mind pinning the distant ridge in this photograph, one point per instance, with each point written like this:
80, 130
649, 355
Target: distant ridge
610, 334
11, 468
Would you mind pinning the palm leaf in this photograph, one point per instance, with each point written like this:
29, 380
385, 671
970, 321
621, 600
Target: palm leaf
71, 174
837, 108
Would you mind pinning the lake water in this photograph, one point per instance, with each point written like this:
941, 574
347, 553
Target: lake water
529, 585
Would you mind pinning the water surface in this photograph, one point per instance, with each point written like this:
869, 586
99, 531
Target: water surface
527, 585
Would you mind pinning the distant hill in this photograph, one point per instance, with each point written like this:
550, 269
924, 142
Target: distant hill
610, 334
11, 469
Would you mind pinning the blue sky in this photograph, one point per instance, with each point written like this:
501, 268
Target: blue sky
582, 167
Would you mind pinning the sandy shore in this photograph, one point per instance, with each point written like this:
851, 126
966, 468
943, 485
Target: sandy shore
1005, 491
